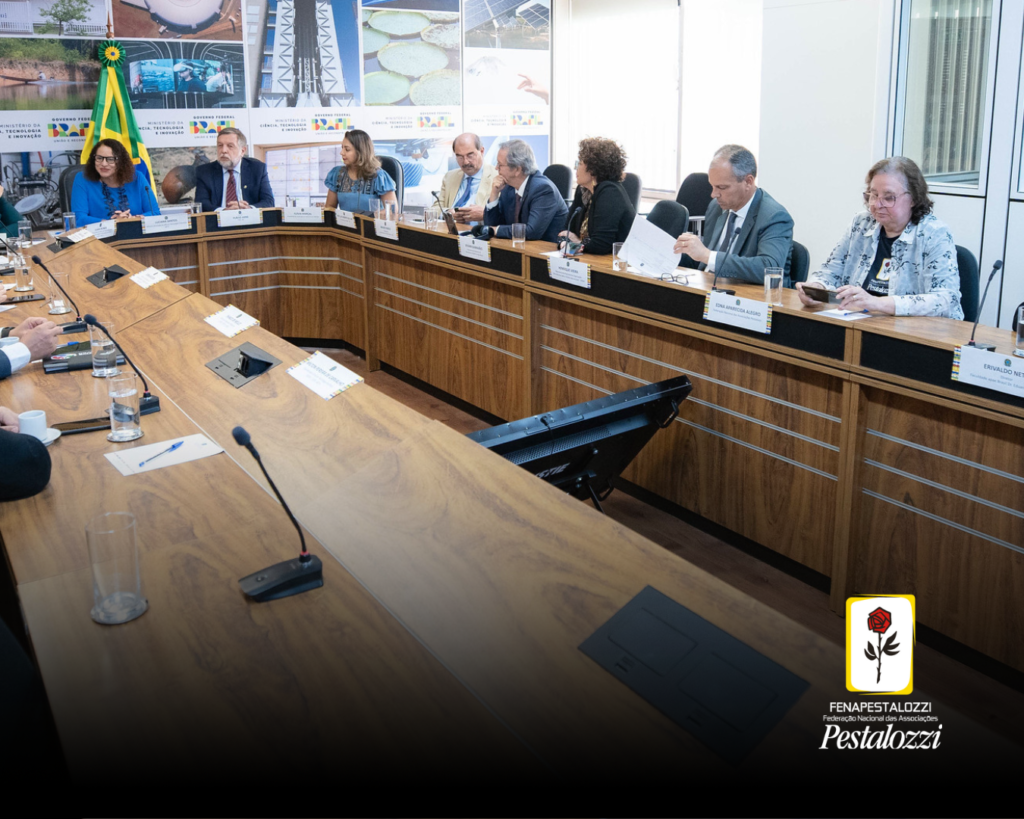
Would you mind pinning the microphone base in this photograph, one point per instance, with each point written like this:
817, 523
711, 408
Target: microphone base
980, 345
723, 290
74, 327
149, 404
284, 579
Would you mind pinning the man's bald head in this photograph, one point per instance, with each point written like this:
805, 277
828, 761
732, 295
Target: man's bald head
469, 151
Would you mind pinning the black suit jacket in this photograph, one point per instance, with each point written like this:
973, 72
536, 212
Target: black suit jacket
256, 188
26, 466
610, 217
543, 210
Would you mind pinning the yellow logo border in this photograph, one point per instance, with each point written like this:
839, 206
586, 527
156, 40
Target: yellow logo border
849, 644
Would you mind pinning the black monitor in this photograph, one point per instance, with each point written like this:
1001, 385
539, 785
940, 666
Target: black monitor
582, 449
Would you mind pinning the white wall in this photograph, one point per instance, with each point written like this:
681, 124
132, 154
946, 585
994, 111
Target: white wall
824, 110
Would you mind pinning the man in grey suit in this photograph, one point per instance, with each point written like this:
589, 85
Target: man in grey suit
746, 230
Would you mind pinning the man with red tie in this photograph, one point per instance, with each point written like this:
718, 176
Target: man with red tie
234, 180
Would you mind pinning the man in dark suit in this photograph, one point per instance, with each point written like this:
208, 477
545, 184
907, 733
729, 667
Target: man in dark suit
522, 194
234, 180
745, 229
26, 461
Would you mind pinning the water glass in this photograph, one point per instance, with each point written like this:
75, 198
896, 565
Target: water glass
69, 222
773, 285
25, 233
104, 353
618, 259
373, 205
1018, 348
114, 555
385, 211
124, 408
22, 275
518, 234
431, 216
57, 303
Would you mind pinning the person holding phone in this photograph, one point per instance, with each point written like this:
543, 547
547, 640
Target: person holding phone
467, 188
601, 212
896, 258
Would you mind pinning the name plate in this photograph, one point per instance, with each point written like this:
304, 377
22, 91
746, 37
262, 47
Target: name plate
77, 235
748, 314
311, 215
345, 218
165, 223
104, 229
474, 249
995, 371
231, 321
148, 277
386, 230
570, 272
239, 218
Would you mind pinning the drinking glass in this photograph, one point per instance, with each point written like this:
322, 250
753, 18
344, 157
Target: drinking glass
373, 205
1018, 348
69, 221
518, 234
773, 285
22, 275
104, 353
57, 304
431, 216
618, 260
25, 233
114, 555
124, 408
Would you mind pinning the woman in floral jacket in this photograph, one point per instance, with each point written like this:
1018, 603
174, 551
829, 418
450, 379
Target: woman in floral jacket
897, 258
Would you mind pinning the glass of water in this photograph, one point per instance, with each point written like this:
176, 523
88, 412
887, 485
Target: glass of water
22, 275
773, 285
1018, 348
618, 258
114, 555
431, 216
104, 353
25, 233
69, 221
124, 408
58, 306
518, 234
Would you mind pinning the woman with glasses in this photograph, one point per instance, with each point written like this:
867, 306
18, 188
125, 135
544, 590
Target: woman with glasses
351, 185
601, 213
109, 187
896, 258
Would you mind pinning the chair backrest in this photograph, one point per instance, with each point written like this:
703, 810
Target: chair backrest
695, 193
393, 168
968, 267
799, 262
64, 185
633, 186
561, 176
670, 216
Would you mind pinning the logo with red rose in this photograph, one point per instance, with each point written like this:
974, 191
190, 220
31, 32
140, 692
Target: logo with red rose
880, 664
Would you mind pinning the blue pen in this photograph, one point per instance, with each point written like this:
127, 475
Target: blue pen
171, 448
854, 312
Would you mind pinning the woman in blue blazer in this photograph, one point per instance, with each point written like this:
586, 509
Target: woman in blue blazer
109, 188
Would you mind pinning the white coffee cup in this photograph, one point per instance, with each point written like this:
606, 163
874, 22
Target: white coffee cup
33, 423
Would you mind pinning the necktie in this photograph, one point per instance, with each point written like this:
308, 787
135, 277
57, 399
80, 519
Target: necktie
467, 193
232, 194
727, 233
519, 207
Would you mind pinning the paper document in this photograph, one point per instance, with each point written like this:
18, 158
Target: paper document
193, 447
231, 321
4, 308
845, 315
148, 277
649, 249
323, 375
77, 235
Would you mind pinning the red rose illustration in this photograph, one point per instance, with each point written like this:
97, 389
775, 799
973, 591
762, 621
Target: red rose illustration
879, 621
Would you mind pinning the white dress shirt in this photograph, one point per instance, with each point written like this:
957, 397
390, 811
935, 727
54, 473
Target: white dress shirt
17, 354
741, 217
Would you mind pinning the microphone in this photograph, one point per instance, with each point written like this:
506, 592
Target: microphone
291, 576
568, 229
76, 326
718, 267
996, 266
148, 404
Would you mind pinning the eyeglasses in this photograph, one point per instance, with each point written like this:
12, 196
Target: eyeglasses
576, 167
678, 278
105, 160
886, 200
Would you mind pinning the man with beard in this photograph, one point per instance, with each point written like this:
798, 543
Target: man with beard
234, 180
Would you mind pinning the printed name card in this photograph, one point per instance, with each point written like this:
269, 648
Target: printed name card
231, 321
474, 249
323, 375
386, 230
165, 223
345, 218
104, 229
747, 314
77, 235
148, 277
242, 217
311, 215
568, 271
996, 371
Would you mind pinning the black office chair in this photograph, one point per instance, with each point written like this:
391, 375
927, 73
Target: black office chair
561, 176
670, 216
1016, 315
695, 194
393, 168
799, 263
969, 282
633, 186
65, 184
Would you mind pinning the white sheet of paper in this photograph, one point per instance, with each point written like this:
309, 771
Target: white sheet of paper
165, 223
474, 248
345, 218
231, 321
845, 315
148, 277
307, 215
995, 371
323, 375
386, 230
4, 308
649, 249
240, 217
194, 447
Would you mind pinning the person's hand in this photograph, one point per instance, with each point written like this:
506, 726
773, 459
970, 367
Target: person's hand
469, 213
41, 340
806, 300
530, 85
499, 183
852, 297
9, 420
122, 214
692, 246
28, 324
3, 294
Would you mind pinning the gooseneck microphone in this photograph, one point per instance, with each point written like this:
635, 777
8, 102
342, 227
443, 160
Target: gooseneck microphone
76, 326
148, 403
996, 267
718, 267
291, 576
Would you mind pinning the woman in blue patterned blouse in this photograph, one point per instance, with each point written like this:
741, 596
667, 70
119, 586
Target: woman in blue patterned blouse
109, 187
896, 259
350, 186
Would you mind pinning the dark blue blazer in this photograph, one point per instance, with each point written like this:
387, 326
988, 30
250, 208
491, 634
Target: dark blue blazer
543, 211
256, 188
26, 466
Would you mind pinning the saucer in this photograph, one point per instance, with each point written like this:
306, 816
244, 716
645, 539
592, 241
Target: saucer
51, 436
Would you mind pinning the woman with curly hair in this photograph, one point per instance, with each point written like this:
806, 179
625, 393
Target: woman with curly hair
350, 186
601, 213
896, 258
109, 188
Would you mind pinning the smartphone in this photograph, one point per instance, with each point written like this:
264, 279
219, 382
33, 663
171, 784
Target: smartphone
449, 220
91, 425
23, 299
821, 294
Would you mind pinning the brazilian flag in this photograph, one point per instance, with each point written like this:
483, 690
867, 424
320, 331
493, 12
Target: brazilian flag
112, 116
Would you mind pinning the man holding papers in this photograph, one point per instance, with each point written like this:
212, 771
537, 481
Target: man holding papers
745, 228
